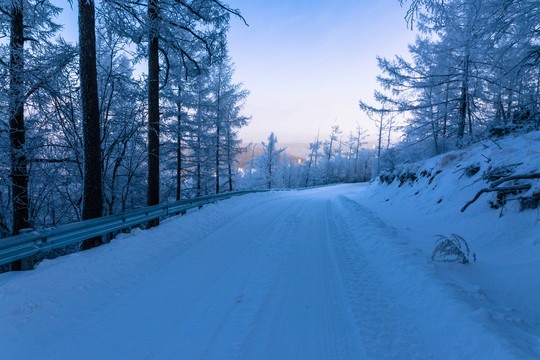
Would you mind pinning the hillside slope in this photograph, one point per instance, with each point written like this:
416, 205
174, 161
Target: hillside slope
425, 199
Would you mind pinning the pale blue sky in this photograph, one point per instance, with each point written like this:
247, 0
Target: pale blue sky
306, 62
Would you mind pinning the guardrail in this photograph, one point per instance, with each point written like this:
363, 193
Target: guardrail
26, 245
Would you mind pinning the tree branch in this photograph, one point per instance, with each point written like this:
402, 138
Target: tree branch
516, 177
509, 189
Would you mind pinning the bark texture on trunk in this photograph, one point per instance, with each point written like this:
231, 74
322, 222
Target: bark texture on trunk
179, 147
17, 134
17, 131
153, 107
217, 157
229, 160
92, 186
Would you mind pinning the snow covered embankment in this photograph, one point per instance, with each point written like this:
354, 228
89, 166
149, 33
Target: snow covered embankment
502, 228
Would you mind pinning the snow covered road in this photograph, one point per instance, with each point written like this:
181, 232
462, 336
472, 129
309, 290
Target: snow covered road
283, 275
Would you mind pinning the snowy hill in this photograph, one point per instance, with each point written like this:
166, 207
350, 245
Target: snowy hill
452, 179
440, 187
425, 199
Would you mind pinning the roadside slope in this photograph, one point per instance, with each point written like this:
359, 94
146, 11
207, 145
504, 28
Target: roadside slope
503, 285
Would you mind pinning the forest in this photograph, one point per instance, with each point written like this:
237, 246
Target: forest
473, 73
85, 133
144, 109
141, 219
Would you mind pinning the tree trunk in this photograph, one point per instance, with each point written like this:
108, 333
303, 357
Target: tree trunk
17, 132
464, 110
445, 119
179, 147
92, 190
230, 176
199, 144
19, 163
153, 107
462, 117
356, 153
434, 125
218, 131
199, 178
229, 159
379, 144
270, 175
217, 158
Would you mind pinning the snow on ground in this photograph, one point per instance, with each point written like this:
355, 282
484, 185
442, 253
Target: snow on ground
328, 273
503, 286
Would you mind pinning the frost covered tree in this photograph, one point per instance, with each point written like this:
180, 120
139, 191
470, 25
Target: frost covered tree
227, 102
201, 123
233, 121
331, 150
122, 121
29, 61
179, 107
19, 166
25, 22
269, 160
354, 145
199, 140
349, 162
73, 119
312, 173
474, 72
166, 27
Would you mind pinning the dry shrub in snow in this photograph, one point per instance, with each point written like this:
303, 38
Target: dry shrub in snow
453, 249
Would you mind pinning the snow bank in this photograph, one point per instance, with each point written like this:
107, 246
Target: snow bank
425, 199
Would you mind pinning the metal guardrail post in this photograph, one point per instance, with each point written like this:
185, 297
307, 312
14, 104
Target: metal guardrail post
26, 263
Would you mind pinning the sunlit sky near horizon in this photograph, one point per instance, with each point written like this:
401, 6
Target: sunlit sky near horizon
307, 63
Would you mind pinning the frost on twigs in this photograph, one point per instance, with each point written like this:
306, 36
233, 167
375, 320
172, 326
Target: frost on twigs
452, 249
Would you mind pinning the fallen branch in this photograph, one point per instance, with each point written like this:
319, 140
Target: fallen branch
516, 177
509, 189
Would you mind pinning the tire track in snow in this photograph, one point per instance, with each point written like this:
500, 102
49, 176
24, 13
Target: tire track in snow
305, 316
333, 288
375, 312
197, 288
400, 306
230, 340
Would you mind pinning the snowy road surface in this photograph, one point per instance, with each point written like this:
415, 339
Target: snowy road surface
284, 275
